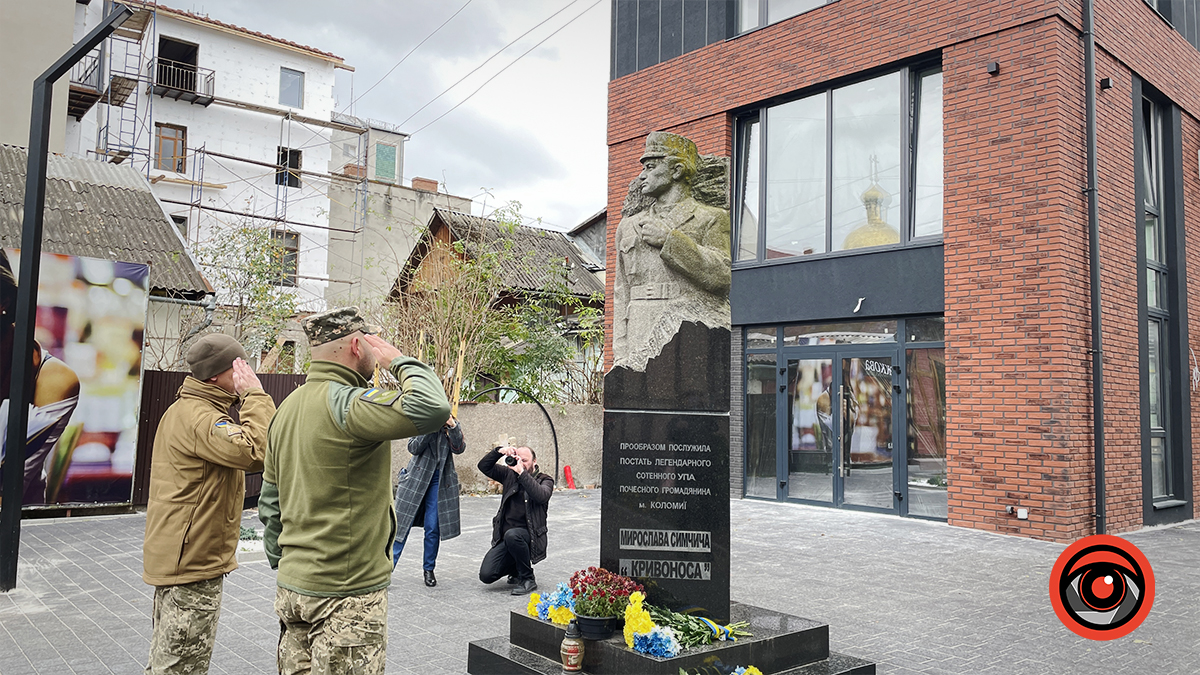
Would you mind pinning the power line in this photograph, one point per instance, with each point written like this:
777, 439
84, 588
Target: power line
477, 68
539, 44
410, 52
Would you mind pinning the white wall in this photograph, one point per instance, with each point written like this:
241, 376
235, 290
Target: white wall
33, 35
247, 70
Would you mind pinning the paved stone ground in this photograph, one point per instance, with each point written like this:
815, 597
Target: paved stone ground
915, 596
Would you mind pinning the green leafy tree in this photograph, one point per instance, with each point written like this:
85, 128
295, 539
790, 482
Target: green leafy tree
251, 274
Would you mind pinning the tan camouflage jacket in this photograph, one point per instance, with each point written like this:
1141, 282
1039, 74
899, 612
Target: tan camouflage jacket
198, 482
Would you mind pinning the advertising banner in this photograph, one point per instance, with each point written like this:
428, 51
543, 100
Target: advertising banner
91, 319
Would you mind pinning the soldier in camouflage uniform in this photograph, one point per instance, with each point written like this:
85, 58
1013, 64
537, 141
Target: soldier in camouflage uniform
197, 486
326, 496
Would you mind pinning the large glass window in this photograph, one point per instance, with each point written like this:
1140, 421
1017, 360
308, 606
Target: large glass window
866, 163
760, 426
1157, 315
927, 167
796, 184
755, 13
747, 248
927, 481
855, 167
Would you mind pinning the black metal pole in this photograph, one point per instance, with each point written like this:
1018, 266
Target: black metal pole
21, 383
1093, 197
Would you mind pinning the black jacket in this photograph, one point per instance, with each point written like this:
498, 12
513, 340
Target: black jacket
538, 487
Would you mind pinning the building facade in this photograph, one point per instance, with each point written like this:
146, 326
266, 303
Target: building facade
911, 296
375, 220
231, 127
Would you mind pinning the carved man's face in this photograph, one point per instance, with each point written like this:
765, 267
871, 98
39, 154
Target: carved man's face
657, 175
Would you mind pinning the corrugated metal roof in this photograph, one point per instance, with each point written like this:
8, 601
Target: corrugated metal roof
99, 210
532, 273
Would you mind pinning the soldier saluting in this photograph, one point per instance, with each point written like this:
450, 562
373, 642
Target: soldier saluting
326, 496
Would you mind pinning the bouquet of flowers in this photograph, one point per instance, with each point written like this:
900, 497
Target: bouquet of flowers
642, 635
599, 592
693, 631
557, 607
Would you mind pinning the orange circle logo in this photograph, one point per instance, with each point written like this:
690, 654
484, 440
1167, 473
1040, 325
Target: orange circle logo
1102, 587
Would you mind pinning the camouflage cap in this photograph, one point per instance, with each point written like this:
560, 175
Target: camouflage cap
335, 324
667, 144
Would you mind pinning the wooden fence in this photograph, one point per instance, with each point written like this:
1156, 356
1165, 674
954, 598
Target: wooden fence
158, 392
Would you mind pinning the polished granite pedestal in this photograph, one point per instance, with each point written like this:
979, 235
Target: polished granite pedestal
782, 645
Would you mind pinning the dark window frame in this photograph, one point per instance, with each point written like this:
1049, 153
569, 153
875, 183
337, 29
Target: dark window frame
288, 256
912, 72
177, 161
763, 14
289, 161
1175, 405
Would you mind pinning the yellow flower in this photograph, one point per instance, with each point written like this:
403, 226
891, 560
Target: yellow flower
753, 671
534, 599
561, 615
637, 620
636, 597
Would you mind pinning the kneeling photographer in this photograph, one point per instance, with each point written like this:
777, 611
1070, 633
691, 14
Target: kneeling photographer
519, 528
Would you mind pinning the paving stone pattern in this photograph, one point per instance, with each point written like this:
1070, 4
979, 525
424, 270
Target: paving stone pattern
915, 596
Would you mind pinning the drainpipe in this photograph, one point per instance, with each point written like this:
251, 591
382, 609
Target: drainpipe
209, 303
1089, 70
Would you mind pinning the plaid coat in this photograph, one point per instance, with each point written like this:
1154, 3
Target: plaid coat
431, 452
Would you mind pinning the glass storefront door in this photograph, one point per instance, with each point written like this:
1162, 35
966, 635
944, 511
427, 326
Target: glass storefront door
810, 429
848, 415
865, 462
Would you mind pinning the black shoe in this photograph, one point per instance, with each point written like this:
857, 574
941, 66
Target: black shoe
430, 580
525, 587
512, 579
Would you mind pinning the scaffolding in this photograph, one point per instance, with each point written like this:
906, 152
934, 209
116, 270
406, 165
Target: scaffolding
124, 119
135, 74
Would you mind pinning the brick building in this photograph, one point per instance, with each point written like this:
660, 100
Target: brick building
911, 300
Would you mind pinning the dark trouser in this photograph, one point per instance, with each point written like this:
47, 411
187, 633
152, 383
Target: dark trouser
508, 558
433, 535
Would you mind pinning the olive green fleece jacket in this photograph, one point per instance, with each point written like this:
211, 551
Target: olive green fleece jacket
326, 496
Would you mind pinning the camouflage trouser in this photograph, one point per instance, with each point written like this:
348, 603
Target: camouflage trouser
185, 627
332, 636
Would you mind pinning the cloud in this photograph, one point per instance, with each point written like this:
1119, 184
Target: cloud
536, 133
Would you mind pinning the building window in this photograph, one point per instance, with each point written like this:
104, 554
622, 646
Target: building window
291, 88
289, 168
855, 167
176, 64
287, 254
385, 162
755, 13
170, 147
181, 223
1163, 447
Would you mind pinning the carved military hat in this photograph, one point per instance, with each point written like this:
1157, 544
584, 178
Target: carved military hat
667, 144
336, 324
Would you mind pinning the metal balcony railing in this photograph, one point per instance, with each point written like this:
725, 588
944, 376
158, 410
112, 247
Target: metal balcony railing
182, 81
86, 73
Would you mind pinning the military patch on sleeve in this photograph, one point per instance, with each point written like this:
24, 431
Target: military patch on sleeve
380, 396
229, 429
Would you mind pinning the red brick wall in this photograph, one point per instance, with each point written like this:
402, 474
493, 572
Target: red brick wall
1016, 239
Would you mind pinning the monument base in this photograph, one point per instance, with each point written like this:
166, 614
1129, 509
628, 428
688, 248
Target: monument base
782, 645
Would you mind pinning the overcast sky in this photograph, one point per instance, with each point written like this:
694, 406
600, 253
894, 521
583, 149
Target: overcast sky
535, 133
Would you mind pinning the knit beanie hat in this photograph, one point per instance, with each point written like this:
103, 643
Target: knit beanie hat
212, 355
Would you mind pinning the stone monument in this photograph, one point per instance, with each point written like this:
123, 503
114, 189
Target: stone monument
665, 513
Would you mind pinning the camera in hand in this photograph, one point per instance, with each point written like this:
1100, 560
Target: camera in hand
510, 460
